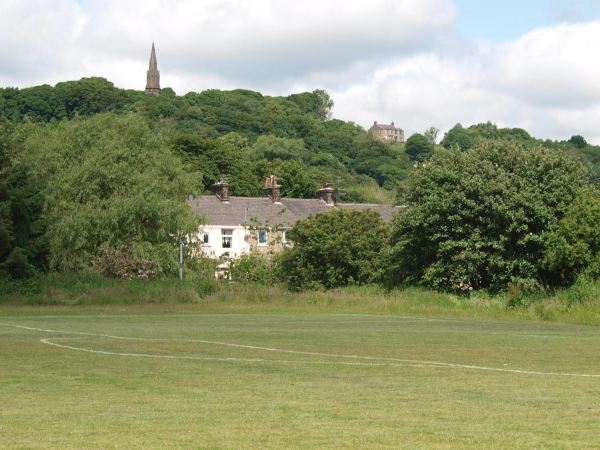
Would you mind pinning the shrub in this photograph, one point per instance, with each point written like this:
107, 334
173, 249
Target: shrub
252, 267
333, 249
122, 263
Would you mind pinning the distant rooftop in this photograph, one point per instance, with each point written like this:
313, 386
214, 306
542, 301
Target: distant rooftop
245, 210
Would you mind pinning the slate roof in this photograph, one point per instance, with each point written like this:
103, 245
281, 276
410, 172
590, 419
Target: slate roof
262, 211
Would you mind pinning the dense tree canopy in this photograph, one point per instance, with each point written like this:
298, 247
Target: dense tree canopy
296, 127
86, 166
477, 219
107, 181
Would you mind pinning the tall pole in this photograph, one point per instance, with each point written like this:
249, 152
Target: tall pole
181, 260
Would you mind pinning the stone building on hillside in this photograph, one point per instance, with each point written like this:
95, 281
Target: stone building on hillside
238, 225
388, 134
153, 76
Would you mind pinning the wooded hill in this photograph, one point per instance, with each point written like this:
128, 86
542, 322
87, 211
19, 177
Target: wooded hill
85, 165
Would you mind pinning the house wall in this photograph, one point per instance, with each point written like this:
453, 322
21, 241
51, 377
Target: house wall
244, 240
396, 135
214, 248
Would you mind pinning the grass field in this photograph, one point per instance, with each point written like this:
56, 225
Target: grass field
164, 378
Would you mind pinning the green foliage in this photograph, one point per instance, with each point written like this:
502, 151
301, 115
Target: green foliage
477, 219
458, 137
22, 225
252, 267
272, 147
572, 250
418, 147
286, 128
317, 103
384, 163
109, 180
333, 249
431, 135
291, 175
211, 159
578, 141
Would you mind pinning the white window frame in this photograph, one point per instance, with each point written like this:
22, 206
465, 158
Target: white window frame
227, 236
262, 243
285, 239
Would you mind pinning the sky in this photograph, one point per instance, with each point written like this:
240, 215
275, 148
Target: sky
531, 64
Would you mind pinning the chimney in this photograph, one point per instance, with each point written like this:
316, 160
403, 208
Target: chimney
221, 190
272, 189
327, 194
375, 123
392, 123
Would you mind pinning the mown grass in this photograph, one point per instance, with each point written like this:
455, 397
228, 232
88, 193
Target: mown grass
161, 381
579, 304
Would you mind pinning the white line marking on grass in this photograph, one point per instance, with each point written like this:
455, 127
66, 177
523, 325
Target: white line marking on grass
206, 358
295, 352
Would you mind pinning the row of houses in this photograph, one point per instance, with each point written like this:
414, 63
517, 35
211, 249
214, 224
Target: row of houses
238, 225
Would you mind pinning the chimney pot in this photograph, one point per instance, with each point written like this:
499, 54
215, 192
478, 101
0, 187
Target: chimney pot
221, 190
272, 190
327, 194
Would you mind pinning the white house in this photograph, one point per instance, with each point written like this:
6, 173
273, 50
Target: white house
237, 225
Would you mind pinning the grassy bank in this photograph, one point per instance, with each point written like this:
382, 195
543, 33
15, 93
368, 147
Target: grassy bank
579, 304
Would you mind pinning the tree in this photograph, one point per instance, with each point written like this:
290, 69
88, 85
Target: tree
431, 135
477, 219
110, 180
22, 225
418, 147
325, 104
578, 141
458, 137
573, 248
333, 249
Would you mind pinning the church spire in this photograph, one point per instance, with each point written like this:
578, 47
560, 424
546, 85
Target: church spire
153, 77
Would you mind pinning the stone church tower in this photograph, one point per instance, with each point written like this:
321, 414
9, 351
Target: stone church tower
153, 81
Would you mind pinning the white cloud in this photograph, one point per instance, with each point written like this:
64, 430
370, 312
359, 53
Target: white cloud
250, 41
384, 60
552, 66
545, 82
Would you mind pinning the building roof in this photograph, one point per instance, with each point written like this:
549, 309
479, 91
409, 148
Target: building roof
387, 127
261, 211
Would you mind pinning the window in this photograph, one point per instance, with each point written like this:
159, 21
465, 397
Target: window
226, 238
285, 238
262, 237
205, 238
